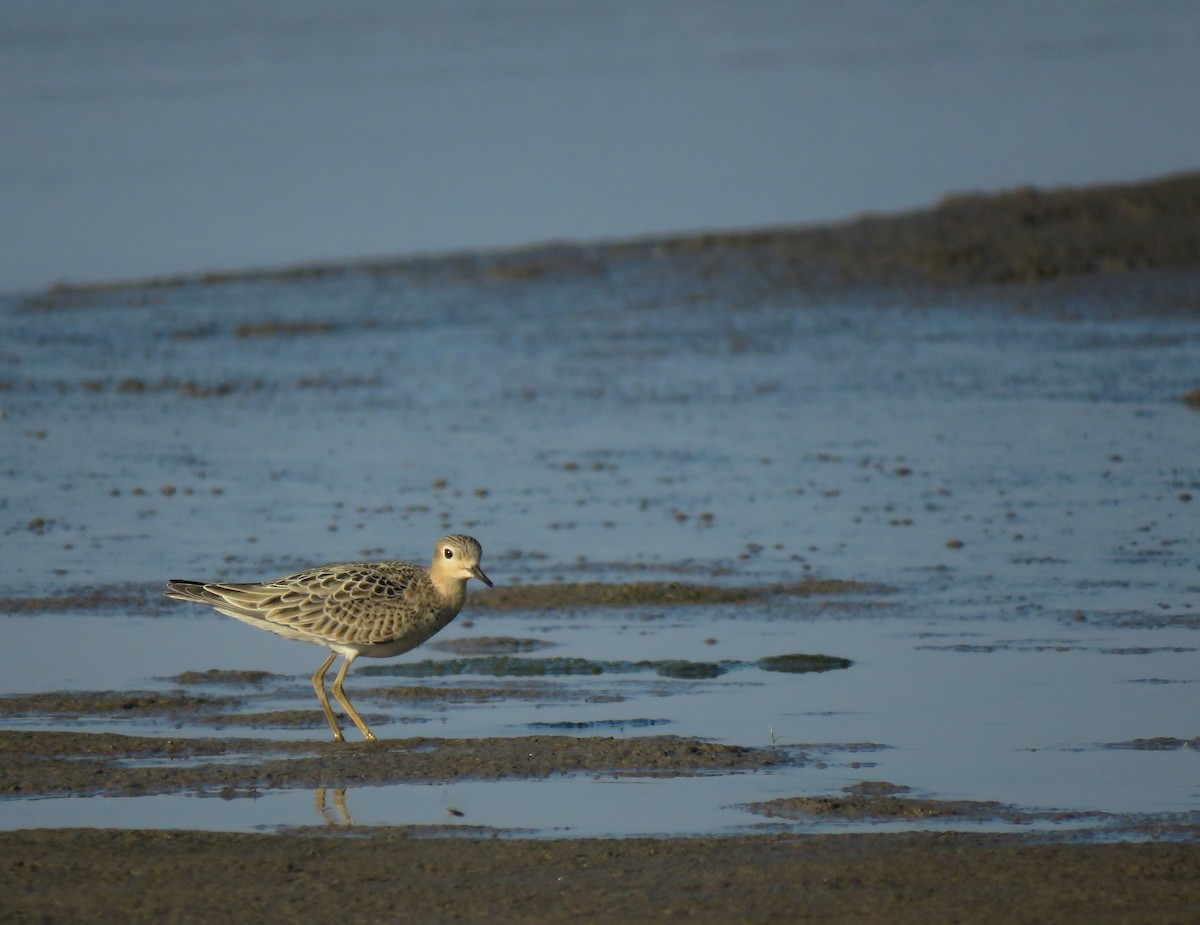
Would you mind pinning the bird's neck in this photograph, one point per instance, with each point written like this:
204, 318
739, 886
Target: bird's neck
452, 590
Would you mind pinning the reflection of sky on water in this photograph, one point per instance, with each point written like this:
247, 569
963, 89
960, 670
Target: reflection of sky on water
150, 137
580, 425
858, 441
1023, 724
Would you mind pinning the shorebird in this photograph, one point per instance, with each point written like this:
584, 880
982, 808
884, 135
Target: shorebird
376, 609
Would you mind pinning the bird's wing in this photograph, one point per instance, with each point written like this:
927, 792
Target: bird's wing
345, 603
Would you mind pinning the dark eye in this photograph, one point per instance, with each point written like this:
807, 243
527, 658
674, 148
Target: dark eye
449, 553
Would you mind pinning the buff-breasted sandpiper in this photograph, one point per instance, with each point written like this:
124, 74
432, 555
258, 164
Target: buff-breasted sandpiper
375, 609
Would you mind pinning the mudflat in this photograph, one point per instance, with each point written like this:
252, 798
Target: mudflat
167, 877
1131, 248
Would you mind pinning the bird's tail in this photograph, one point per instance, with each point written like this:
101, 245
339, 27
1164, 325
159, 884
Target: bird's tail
184, 590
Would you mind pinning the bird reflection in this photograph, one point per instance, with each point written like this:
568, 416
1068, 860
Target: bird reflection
339, 815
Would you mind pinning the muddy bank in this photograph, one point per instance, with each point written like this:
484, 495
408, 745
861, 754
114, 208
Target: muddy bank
729, 302
542, 596
881, 800
644, 593
167, 877
1020, 237
96, 764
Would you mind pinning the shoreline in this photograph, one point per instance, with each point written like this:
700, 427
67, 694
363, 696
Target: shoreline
1016, 237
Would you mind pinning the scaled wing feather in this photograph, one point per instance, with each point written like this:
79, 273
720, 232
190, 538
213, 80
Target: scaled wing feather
347, 603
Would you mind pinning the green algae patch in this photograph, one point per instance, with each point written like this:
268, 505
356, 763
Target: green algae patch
504, 666
489, 645
800, 663
636, 723
445, 695
492, 665
680, 668
220, 676
512, 666
652, 593
276, 719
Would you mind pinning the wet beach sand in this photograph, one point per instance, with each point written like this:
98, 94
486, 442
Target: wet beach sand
108, 876
1117, 249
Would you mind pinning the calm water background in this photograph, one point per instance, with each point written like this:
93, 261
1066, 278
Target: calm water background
1025, 482
634, 420
147, 137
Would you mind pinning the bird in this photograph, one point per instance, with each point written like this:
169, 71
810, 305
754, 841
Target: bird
372, 609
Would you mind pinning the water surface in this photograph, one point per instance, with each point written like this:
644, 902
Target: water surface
1018, 487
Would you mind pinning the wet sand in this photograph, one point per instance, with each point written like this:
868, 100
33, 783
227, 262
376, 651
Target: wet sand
167, 877
1026, 246
99, 764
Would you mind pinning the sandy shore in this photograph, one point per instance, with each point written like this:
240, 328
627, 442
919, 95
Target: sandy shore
1029, 246
168, 877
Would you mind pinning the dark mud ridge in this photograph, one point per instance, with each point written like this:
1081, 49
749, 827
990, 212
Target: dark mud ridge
557, 595
43, 763
1021, 236
551, 595
880, 800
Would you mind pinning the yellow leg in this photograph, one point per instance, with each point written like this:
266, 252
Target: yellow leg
318, 681
336, 687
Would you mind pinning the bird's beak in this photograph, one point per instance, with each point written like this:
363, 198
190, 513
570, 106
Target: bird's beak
477, 572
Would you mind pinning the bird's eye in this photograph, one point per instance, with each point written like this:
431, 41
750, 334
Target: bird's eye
449, 553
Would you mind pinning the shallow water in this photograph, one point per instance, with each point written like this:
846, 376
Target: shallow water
1027, 717
571, 807
1020, 481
